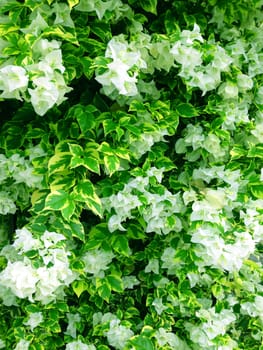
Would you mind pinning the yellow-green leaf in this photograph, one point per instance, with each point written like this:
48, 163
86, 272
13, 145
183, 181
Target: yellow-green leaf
73, 3
79, 287
59, 162
57, 200
94, 204
111, 163
69, 210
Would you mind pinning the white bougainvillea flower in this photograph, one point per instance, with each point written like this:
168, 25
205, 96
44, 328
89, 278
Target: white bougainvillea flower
13, 81
22, 345
97, 261
35, 318
98, 6
13, 78
37, 25
118, 335
24, 241
44, 95
21, 278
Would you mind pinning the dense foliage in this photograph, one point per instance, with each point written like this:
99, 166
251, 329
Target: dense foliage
131, 194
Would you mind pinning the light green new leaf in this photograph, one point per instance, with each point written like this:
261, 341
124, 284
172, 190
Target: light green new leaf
79, 287
73, 3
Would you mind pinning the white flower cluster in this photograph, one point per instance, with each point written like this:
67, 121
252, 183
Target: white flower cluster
122, 72
35, 318
116, 333
16, 177
213, 251
188, 52
253, 218
146, 140
42, 278
49, 87
45, 74
165, 338
213, 325
2, 344
253, 309
22, 345
73, 320
97, 261
210, 208
101, 7
158, 210
195, 138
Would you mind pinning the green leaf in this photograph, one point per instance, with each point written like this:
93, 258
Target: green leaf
69, 210
104, 291
59, 162
88, 68
94, 204
63, 183
120, 245
78, 265
149, 6
116, 283
62, 33
61, 306
77, 229
91, 164
122, 153
6, 28
140, 342
109, 126
83, 190
237, 152
37, 347
111, 163
76, 150
79, 287
57, 200
256, 151
186, 110
257, 189
105, 148
165, 162
31, 308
